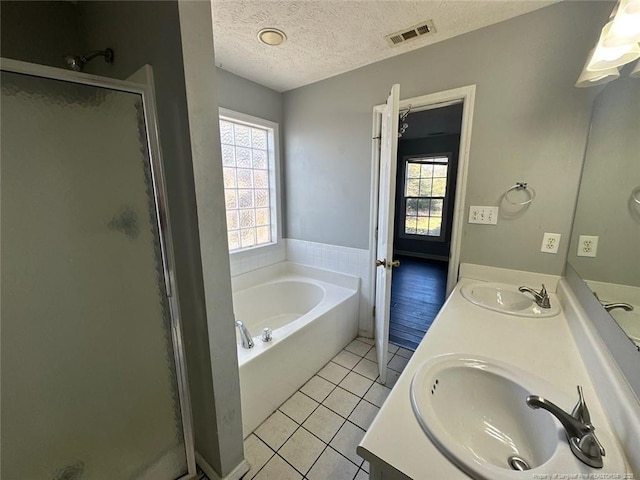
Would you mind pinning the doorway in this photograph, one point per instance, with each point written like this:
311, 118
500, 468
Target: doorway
383, 197
427, 166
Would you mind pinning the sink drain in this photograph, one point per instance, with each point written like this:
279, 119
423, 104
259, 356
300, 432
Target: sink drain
518, 463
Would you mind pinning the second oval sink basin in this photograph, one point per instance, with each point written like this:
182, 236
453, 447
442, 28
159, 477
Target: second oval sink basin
507, 299
475, 412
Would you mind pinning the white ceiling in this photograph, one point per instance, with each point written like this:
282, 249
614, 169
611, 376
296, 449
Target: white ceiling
329, 37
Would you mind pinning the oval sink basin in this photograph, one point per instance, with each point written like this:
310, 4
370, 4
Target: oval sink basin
474, 410
507, 299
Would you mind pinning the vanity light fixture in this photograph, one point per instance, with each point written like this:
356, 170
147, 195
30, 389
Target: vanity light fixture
625, 28
609, 57
272, 37
617, 46
590, 79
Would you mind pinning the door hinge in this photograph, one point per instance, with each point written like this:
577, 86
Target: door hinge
374, 311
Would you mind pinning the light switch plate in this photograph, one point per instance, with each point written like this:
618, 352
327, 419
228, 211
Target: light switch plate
483, 215
550, 243
587, 246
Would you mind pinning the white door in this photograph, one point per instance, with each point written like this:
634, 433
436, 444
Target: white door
386, 195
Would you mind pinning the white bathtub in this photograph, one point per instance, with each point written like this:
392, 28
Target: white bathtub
313, 314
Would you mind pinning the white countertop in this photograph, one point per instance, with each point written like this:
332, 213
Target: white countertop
542, 346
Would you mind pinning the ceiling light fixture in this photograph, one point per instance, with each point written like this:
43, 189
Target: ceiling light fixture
272, 36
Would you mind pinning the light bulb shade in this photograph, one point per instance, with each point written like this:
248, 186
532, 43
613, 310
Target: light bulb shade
592, 78
635, 73
605, 58
625, 27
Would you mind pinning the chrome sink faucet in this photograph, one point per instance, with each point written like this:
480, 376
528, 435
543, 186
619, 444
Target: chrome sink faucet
612, 306
541, 298
578, 428
247, 341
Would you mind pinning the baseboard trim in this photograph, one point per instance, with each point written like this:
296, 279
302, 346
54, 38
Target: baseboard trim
236, 474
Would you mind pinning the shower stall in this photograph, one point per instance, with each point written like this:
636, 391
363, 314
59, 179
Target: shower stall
93, 375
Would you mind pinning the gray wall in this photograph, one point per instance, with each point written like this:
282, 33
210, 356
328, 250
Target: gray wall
611, 172
39, 32
244, 96
530, 124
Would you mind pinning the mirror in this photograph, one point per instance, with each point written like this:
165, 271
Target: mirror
605, 240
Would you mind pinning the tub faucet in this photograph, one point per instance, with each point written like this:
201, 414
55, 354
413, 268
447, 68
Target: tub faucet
541, 298
577, 426
612, 306
247, 341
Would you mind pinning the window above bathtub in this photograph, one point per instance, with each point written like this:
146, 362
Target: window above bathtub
250, 165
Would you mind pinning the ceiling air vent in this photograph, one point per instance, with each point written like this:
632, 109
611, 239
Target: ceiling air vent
407, 34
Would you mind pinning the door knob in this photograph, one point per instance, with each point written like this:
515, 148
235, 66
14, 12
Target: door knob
384, 263
381, 263
395, 263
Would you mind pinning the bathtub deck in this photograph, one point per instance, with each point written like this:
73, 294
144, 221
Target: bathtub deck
314, 434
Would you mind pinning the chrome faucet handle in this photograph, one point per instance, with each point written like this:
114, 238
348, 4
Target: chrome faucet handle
581, 411
578, 428
541, 298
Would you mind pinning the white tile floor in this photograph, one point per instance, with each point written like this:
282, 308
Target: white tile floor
314, 434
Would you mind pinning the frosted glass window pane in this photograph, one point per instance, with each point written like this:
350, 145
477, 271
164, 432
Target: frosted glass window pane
260, 179
228, 156
259, 138
88, 376
262, 216
245, 198
242, 135
234, 240
231, 199
263, 234
232, 220
426, 170
226, 132
243, 157
247, 218
229, 177
260, 159
245, 178
262, 198
248, 237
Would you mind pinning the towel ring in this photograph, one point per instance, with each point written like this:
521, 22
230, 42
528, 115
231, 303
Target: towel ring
635, 193
521, 186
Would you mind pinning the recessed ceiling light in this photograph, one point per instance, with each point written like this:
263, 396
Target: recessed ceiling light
272, 36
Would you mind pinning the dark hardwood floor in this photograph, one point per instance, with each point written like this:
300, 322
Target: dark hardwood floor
418, 291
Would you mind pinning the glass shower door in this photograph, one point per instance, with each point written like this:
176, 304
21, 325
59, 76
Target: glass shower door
89, 377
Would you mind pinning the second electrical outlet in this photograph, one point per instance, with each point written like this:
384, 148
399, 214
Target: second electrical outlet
550, 243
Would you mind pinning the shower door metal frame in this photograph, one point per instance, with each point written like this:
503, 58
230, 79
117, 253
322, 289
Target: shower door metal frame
162, 219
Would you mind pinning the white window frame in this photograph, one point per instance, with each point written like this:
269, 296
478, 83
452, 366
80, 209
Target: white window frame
273, 139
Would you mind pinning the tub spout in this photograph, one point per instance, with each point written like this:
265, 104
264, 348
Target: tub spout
247, 341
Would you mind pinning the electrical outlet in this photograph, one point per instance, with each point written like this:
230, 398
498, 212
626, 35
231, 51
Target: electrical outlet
587, 246
550, 243
483, 215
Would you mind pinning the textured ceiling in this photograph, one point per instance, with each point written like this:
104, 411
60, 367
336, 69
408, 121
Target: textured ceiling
329, 37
